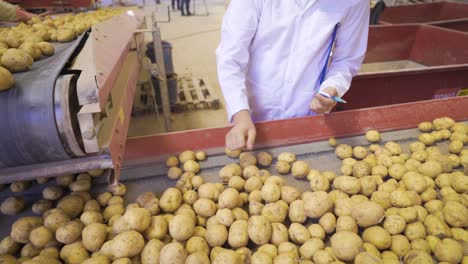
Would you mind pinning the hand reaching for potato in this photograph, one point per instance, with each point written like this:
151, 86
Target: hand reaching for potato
320, 104
242, 135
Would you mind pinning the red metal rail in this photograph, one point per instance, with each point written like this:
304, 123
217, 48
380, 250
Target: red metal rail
47, 4
300, 130
424, 13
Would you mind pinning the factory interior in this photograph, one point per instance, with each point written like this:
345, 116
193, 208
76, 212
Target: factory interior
233, 131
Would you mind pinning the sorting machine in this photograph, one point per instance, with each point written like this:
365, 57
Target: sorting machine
70, 113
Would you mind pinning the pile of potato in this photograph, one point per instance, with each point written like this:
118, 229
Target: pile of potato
387, 206
25, 43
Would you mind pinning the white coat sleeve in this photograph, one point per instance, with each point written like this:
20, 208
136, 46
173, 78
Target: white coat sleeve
350, 48
238, 29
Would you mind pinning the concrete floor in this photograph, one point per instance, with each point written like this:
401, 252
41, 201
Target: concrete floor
194, 40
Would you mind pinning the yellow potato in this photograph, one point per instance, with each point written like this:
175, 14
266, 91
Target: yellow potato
65, 35
373, 136
16, 60
6, 78
346, 245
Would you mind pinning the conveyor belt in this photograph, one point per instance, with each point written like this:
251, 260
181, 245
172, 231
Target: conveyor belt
28, 123
152, 177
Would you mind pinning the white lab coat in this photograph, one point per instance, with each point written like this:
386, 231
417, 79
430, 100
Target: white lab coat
272, 52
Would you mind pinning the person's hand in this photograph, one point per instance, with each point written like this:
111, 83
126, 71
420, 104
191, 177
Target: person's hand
23, 15
242, 135
321, 104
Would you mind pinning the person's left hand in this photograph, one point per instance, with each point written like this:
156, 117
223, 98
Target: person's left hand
320, 104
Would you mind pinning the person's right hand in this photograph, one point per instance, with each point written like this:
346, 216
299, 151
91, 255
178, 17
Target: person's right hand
242, 135
23, 15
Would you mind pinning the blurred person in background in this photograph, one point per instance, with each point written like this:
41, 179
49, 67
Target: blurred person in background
185, 4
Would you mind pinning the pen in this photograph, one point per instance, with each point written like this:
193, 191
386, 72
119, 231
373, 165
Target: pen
334, 98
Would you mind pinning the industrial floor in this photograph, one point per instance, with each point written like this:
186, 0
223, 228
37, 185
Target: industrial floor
194, 40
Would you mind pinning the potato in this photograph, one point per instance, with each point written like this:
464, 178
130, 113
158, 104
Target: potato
344, 151
40, 237
225, 217
296, 212
216, 235
89, 217
368, 214
264, 159
415, 230
29, 251
347, 184
298, 233
316, 204
437, 227
328, 222
229, 171
74, 253
99, 259
344, 206
6, 78
191, 166
172, 161
373, 136
400, 245
455, 214
52, 193
64, 180
113, 209
287, 157
174, 173
173, 253
430, 168
247, 159
72, 205
283, 167
69, 232
200, 155
250, 171
346, 245
229, 198
238, 234
197, 244
449, 250
233, 153
22, 228
271, 192
394, 224
12, 205
359, 152
310, 247
19, 186
16, 60
380, 170
345, 223
400, 198
377, 236
205, 207
425, 127
94, 236
417, 256
118, 189
197, 258
170, 200
319, 183
253, 183
420, 244
8, 246
455, 146
181, 227
300, 169
227, 257
274, 212
259, 229
368, 185
31, 49
414, 181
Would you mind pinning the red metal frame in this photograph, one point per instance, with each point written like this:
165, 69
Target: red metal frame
36, 4
442, 51
459, 25
424, 13
109, 61
300, 130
